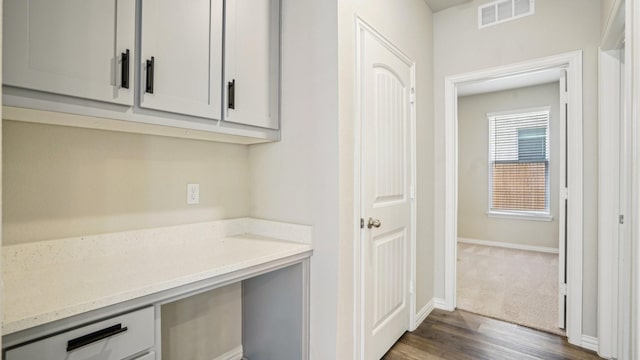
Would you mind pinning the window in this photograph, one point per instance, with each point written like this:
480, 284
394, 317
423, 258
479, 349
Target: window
519, 162
532, 143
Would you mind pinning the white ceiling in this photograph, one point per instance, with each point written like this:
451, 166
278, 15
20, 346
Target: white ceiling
511, 82
437, 5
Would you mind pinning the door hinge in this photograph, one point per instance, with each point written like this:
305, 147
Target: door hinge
563, 289
412, 192
564, 193
411, 287
412, 95
621, 219
361, 223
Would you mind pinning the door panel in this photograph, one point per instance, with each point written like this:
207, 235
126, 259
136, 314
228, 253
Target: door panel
386, 112
389, 102
388, 279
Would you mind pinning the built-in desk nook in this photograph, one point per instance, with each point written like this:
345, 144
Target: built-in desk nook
104, 296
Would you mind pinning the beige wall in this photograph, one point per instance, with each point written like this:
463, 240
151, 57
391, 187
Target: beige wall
408, 25
473, 181
204, 326
557, 27
306, 167
296, 179
64, 181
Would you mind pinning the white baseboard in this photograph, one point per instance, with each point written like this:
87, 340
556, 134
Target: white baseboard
508, 245
423, 313
589, 342
233, 354
439, 303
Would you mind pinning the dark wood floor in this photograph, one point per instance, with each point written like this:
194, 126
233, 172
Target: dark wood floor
461, 335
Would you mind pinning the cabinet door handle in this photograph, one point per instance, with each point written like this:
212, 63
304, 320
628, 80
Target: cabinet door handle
231, 94
95, 336
124, 83
150, 65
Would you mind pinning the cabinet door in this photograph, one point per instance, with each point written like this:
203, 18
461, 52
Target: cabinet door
70, 47
182, 56
252, 62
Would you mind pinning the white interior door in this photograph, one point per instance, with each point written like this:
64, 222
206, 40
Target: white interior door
386, 91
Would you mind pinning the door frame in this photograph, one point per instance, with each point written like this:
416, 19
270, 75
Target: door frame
609, 207
632, 53
611, 277
361, 26
572, 62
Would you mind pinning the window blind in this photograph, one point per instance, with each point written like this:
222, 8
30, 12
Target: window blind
519, 161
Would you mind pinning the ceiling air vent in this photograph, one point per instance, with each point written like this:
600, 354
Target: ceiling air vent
503, 10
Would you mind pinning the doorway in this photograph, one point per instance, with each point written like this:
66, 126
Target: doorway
572, 63
510, 199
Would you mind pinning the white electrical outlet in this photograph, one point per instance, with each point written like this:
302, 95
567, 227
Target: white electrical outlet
193, 194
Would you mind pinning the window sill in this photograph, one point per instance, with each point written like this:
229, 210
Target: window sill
520, 215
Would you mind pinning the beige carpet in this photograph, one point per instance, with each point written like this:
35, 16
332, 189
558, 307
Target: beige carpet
512, 285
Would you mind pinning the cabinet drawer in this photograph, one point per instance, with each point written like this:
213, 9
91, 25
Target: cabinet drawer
112, 339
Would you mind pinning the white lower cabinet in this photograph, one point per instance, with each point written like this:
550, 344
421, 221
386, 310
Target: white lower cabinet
258, 317
116, 338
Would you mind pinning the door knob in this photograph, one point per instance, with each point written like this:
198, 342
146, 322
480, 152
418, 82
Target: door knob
373, 223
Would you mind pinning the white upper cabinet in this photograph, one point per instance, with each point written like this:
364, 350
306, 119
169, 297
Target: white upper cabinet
252, 62
146, 66
181, 57
81, 48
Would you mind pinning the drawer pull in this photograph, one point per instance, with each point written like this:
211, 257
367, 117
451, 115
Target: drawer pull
95, 336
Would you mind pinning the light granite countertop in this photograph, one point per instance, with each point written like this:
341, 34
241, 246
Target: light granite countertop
51, 280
